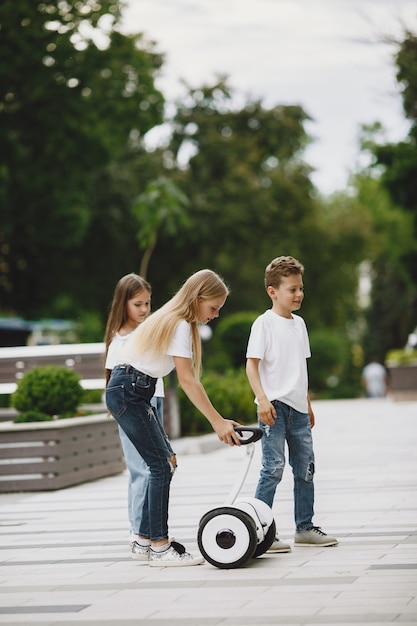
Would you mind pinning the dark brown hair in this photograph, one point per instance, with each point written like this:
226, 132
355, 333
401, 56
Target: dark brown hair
127, 287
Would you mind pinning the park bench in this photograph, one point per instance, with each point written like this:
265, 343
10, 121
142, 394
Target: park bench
42, 456
87, 359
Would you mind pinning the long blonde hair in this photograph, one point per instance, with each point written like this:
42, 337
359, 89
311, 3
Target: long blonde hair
155, 334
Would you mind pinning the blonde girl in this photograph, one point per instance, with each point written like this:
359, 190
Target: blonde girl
168, 339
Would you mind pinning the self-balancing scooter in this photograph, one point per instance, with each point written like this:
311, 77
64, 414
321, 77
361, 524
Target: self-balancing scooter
242, 529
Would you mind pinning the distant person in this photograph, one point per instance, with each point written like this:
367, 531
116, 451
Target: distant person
131, 305
375, 379
167, 339
276, 367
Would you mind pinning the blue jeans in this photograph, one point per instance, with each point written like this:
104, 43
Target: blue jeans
138, 472
292, 427
128, 398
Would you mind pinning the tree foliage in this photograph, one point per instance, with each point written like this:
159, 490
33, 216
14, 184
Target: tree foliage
85, 202
160, 207
251, 199
392, 314
75, 96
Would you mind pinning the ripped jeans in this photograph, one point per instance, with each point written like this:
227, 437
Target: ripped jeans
292, 427
128, 397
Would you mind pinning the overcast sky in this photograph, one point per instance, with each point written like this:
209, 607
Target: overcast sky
322, 54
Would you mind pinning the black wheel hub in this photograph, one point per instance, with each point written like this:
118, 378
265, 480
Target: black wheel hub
225, 538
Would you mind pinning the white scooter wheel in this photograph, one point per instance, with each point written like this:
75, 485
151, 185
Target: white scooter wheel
227, 537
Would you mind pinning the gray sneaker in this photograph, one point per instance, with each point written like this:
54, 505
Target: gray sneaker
279, 546
174, 556
138, 552
314, 537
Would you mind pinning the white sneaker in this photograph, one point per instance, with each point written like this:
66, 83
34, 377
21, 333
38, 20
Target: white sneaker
279, 546
138, 552
174, 556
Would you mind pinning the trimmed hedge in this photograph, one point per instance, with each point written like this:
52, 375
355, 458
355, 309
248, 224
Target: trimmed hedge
50, 390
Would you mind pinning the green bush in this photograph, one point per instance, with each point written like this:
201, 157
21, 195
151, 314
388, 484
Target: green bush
231, 395
31, 416
4, 401
92, 396
227, 349
401, 357
331, 369
49, 389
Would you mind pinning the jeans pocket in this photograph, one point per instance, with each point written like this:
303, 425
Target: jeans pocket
115, 400
142, 381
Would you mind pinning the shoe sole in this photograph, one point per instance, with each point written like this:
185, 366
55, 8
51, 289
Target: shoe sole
318, 545
176, 563
140, 557
282, 550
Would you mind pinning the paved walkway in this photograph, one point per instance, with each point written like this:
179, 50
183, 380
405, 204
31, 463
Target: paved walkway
65, 558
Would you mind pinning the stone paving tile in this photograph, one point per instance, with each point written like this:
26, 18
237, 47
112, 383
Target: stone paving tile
65, 560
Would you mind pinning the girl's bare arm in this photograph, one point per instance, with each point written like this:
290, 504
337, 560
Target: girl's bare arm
198, 396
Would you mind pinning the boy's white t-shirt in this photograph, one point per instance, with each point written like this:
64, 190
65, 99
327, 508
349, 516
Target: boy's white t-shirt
282, 345
158, 366
115, 357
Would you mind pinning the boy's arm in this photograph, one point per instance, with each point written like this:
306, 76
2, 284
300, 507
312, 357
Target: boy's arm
266, 411
311, 412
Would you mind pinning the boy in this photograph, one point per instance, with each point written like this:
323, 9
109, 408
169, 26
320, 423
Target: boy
277, 371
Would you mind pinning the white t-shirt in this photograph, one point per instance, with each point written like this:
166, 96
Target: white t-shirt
374, 375
115, 357
282, 346
156, 365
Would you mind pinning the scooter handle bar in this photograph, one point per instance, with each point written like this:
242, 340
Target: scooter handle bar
255, 434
